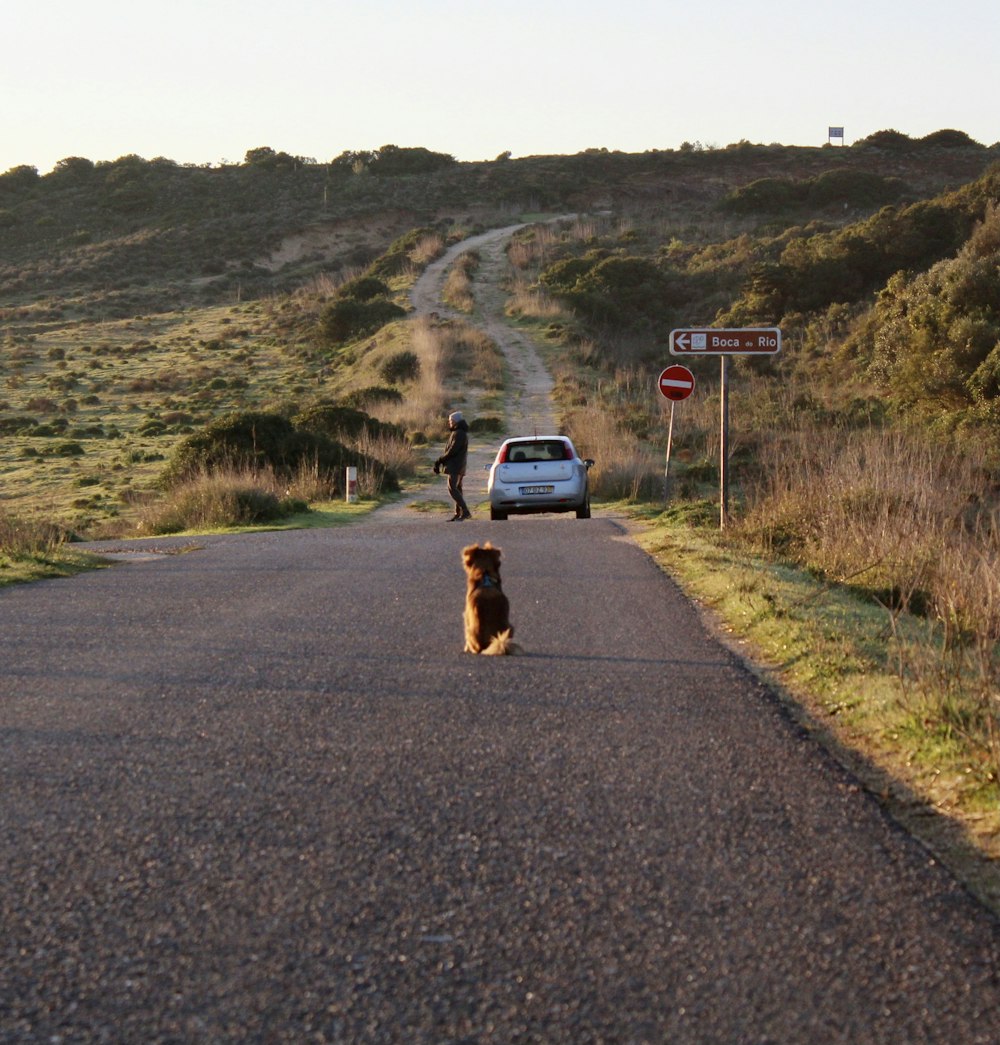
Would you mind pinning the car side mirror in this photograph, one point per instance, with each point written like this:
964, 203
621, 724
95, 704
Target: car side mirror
589, 462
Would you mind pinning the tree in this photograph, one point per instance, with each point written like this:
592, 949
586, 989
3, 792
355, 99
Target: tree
265, 158
17, 178
72, 169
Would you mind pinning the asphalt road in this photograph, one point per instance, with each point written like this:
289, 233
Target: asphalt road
255, 792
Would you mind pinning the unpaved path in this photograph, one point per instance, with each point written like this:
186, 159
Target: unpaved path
529, 389
528, 404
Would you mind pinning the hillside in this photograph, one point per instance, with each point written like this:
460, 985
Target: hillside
111, 237
141, 300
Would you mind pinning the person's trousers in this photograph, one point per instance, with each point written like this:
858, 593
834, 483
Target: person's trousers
455, 492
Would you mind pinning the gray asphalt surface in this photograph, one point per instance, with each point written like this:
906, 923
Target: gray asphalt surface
256, 792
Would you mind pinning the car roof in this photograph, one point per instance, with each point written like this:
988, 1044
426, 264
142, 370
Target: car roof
536, 439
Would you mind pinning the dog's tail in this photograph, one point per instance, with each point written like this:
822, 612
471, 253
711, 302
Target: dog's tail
502, 645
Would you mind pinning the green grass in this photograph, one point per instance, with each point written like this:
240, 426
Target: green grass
834, 658
64, 561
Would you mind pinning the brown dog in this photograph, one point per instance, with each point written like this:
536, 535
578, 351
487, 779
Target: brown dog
487, 612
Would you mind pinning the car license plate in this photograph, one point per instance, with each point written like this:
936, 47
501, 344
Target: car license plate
536, 489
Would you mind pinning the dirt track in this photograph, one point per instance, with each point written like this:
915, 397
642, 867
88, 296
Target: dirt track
528, 397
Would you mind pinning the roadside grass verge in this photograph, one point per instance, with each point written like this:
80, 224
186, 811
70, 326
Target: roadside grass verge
31, 551
321, 516
238, 498
840, 659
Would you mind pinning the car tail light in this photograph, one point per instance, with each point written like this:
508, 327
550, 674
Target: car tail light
502, 456
569, 453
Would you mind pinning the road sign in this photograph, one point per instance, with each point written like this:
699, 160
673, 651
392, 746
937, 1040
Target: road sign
758, 341
676, 383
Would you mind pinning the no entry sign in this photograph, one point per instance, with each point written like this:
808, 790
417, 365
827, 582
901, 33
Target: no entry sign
676, 383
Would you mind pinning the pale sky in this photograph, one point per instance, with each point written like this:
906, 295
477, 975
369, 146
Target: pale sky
203, 81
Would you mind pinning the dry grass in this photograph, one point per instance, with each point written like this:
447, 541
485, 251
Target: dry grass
227, 497
395, 454
21, 538
530, 302
430, 247
450, 353
457, 289
425, 402
917, 526
623, 470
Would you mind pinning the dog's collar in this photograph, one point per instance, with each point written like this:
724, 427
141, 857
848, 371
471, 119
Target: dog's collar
488, 582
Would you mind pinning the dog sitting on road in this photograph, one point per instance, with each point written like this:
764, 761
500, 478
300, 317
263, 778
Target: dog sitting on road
487, 612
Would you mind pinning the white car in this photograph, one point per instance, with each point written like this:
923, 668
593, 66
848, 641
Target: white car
541, 473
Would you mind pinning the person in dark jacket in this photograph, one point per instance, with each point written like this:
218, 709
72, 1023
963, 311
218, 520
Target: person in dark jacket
452, 462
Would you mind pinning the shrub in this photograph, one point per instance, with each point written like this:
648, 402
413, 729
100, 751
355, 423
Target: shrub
949, 139
68, 449
223, 497
401, 254
402, 366
364, 397
764, 194
888, 139
27, 539
13, 425
347, 319
487, 424
257, 439
339, 422
363, 288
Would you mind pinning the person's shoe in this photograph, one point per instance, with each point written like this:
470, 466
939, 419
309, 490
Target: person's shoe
456, 517
467, 515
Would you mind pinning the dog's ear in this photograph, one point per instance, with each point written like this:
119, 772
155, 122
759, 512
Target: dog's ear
469, 553
494, 554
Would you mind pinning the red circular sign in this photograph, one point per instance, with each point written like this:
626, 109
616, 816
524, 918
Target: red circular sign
676, 383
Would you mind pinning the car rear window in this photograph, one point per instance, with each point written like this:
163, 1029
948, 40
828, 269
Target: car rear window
540, 450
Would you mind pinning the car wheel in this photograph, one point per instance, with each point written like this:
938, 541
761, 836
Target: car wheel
498, 516
583, 512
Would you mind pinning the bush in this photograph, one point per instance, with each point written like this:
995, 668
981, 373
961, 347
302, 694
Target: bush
949, 139
219, 498
488, 424
764, 194
13, 425
257, 439
402, 366
348, 319
364, 288
341, 422
364, 397
400, 255
889, 139
21, 539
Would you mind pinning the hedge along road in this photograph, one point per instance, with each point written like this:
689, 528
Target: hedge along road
256, 792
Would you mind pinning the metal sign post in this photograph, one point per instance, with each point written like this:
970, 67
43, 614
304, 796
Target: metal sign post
709, 341
675, 383
666, 467
724, 444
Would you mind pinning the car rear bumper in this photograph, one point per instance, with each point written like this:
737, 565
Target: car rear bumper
535, 507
